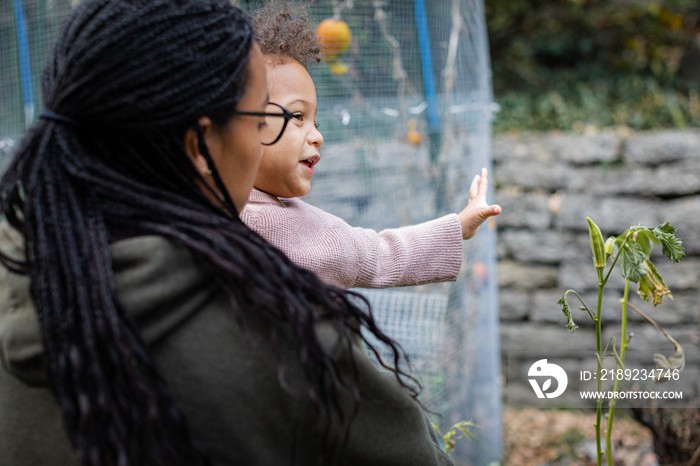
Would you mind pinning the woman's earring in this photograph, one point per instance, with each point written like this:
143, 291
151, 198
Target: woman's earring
208, 172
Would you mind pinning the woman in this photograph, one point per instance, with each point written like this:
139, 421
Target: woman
141, 323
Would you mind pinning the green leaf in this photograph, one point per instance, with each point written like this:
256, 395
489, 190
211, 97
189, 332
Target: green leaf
570, 325
646, 240
634, 229
631, 261
671, 246
651, 286
449, 441
619, 240
462, 427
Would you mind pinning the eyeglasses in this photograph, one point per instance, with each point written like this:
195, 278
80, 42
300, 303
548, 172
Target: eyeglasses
276, 119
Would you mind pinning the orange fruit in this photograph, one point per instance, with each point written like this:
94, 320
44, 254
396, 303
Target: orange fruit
333, 37
413, 136
339, 68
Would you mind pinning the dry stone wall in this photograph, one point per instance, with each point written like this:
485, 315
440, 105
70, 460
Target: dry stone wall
548, 184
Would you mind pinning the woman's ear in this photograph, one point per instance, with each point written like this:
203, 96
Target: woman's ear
191, 145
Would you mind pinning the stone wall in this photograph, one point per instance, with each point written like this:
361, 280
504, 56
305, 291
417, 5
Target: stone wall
548, 184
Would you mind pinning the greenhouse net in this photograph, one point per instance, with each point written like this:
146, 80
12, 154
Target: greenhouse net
405, 113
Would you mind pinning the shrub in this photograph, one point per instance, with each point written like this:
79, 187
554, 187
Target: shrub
558, 64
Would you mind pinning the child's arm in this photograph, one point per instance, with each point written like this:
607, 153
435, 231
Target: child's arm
427, 253
348, 256
357, 257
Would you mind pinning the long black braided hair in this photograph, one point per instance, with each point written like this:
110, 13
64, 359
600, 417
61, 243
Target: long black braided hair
125, 81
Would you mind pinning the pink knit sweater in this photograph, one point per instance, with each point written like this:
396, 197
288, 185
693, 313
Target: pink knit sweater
351, 257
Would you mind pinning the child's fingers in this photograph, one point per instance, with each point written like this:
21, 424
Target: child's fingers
484, 182
480, 185
474, 188
490, 211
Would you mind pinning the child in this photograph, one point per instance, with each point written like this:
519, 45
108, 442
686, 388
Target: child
338, 253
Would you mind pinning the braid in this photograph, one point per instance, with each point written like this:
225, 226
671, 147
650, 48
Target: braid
190, 34
135, 75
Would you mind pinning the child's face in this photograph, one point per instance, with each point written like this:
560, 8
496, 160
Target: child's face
287, 166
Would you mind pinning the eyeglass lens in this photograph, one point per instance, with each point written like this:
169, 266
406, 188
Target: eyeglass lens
274, 125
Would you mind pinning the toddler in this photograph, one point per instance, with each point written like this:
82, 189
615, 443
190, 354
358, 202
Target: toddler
338, 253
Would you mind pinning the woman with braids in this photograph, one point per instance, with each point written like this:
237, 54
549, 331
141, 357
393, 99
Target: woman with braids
141, 322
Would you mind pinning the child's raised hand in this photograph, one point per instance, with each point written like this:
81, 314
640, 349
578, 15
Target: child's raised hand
477, 210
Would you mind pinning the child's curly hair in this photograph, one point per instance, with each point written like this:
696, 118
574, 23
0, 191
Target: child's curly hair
286, 33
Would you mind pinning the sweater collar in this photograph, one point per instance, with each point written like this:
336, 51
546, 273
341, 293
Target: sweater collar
257, 196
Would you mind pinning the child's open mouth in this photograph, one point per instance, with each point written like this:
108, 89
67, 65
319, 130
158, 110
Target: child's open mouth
311, 161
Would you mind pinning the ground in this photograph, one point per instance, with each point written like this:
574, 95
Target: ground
566, 437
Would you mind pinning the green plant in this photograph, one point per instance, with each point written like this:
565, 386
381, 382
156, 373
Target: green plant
644, 36
573, 103
450, 438
570, 64
634, 249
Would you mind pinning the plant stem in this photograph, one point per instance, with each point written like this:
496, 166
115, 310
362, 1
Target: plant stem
584, 307
623, 348
598, 347
617, 256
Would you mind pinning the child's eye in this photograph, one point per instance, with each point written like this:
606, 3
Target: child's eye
262, 126
317, 124
298, 116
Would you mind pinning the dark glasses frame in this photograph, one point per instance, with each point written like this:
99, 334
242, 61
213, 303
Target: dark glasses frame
286, 114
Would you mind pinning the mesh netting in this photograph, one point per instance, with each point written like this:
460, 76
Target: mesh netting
27, 32
405, 129
406, 126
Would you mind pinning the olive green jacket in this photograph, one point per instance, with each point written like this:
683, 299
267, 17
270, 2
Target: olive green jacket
222, 374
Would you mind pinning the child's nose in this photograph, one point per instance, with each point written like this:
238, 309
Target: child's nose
315, 137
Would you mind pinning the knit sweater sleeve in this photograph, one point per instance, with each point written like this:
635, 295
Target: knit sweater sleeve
429, 252
348, 256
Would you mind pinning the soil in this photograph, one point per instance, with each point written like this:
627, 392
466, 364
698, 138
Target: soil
551, 437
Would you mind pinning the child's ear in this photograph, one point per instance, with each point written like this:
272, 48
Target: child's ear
191, 145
